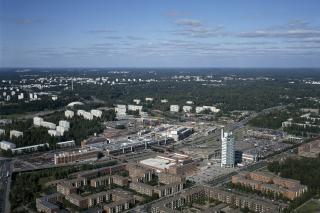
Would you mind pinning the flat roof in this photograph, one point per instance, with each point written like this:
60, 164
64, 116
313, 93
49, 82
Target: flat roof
7, 142
158, 162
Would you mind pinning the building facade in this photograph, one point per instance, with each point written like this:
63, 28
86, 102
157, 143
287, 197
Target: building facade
227, 149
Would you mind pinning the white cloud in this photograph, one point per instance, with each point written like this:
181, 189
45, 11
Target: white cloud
293, 29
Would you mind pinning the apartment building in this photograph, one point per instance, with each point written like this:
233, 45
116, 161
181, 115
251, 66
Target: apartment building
108, 180
266, 182
86, 115
136, 101
122, 200
174, 108
167, 178
168, 189
172, 203
5, 145
97, 113
119, 180
142, 188
101, 181
120, 110
119, 200
160, 190
187, 108
29, 148
69, 114
139, 173
255, 204
48, 203
15, 133
75, 156
134, 107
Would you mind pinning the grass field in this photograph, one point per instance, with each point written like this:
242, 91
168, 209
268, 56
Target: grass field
312, 206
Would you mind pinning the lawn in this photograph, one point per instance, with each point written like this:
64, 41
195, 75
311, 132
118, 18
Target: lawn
44, 180
310, 207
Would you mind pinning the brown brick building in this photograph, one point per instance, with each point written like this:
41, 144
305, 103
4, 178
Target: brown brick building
48, 203
311, 149
255, 204
267, 182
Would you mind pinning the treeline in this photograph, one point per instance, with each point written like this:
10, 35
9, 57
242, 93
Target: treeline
46, 103
302, 131
305, 170
272, 120
251, 94
233, 95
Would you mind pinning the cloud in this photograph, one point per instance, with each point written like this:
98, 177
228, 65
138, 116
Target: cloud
311, 40
101, 31
27, 21
114, 37
136, 38
298, 24
188, 22
201, 32
292, 29
195, 28
281, 34
186, 43
176, 47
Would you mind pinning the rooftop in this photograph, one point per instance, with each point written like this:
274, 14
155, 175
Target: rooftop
158, 162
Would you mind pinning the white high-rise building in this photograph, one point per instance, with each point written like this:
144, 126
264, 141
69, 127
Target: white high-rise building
96, 113
15, 133
86, 115
174, 108
227, 149
21, 96
137, 101
187, 108
134, 107
120, 110
69, 114
5, 145
37, 121
64, 124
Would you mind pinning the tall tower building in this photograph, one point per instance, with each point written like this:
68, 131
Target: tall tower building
227, 149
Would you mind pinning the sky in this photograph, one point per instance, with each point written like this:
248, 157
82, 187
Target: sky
159, 33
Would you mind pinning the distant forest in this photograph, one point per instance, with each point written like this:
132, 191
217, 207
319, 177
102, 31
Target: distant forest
253, 94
